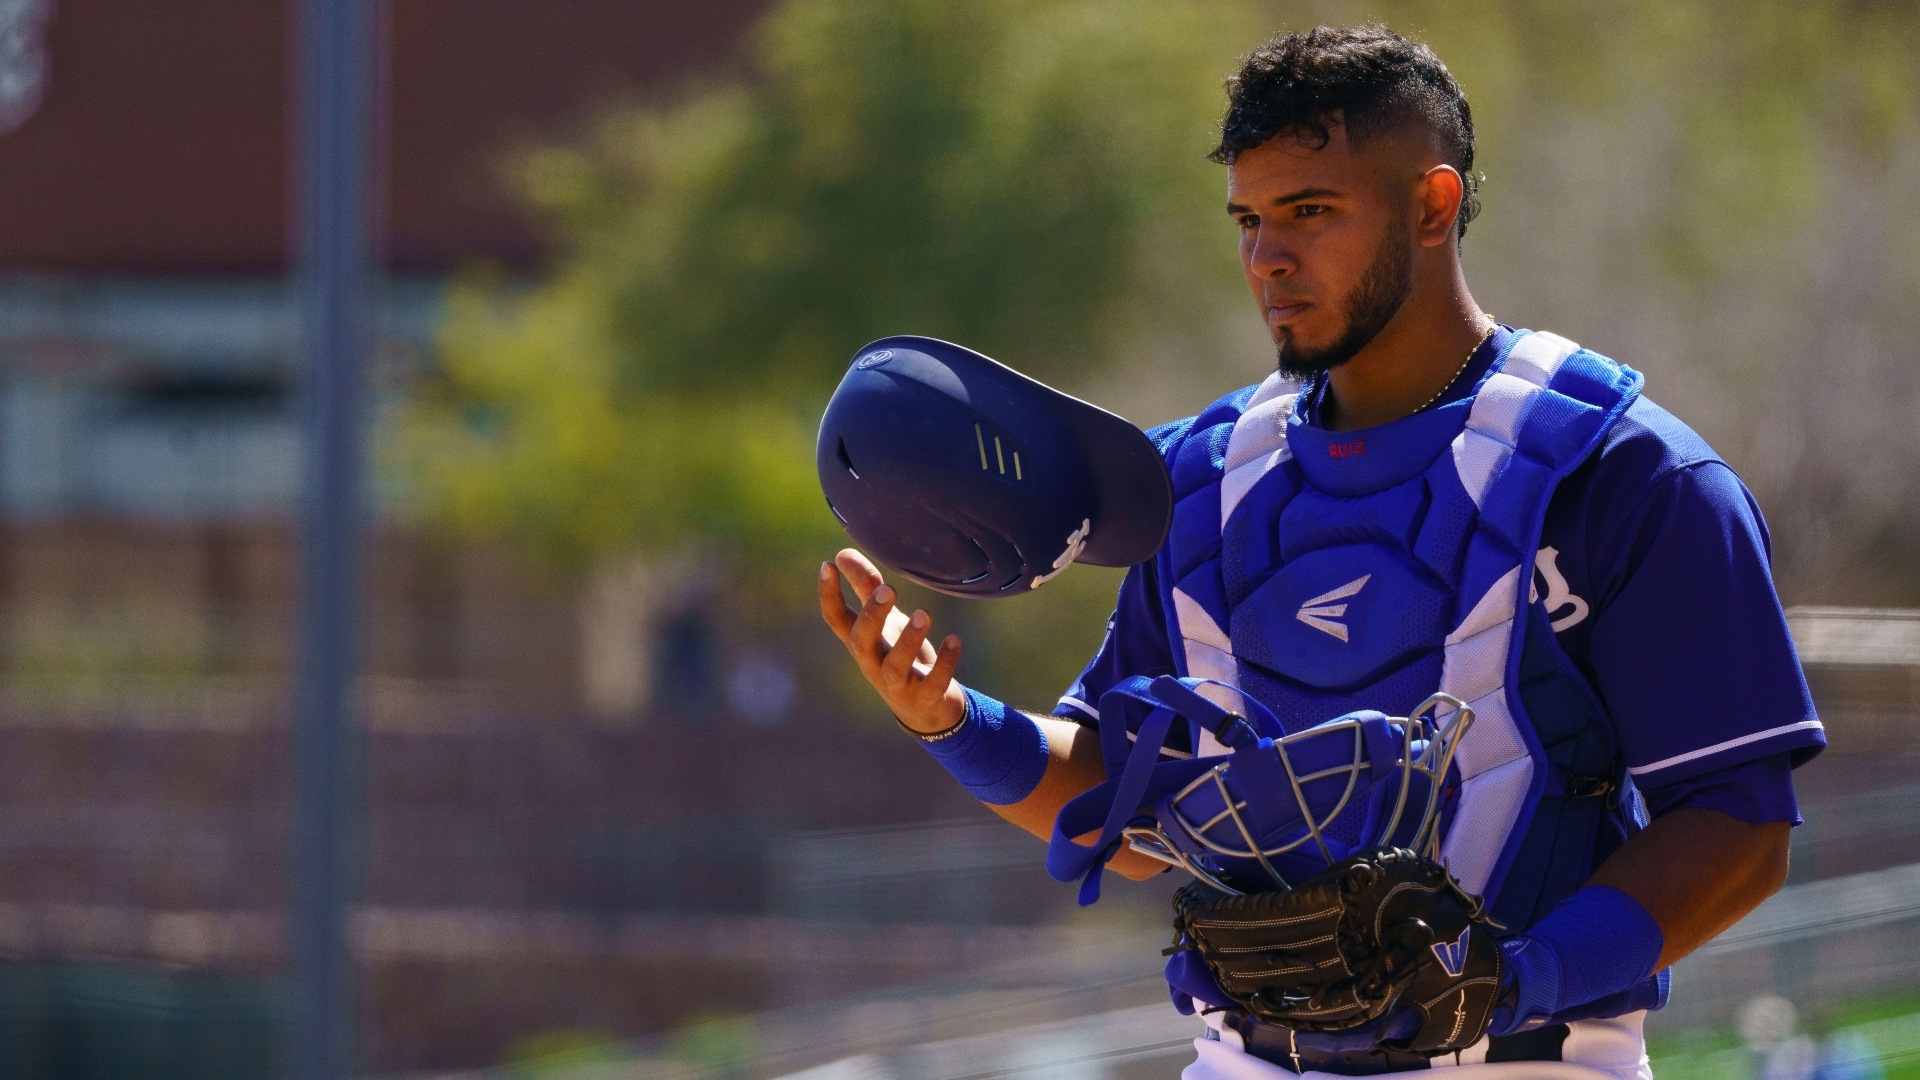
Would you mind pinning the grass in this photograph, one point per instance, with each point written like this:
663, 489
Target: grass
1888, 1024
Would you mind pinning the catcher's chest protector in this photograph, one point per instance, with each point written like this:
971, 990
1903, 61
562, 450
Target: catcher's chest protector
1322, 572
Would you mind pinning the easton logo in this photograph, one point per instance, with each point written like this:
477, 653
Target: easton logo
1453, 954
1322, 613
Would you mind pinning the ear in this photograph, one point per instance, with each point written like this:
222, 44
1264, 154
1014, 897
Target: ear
1439, 192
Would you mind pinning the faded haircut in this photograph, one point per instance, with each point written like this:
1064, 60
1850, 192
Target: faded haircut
1368, 79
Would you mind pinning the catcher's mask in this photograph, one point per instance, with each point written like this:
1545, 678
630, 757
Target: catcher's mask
1276, 810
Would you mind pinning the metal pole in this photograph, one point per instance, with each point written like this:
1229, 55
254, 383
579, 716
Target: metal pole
335, 260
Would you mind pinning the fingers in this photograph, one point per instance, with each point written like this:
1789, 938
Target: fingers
944, 664
833, 606
891, 648
898, 667
861, 573
865, 636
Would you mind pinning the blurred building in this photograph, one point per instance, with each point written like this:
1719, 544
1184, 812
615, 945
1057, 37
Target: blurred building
146, 324
523, 856
559, 837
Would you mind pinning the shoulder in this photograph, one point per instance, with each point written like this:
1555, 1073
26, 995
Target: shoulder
1652, 442
1653, 482
1195, 447
1648, 450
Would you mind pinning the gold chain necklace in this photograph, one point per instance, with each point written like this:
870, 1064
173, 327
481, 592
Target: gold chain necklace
1490, 326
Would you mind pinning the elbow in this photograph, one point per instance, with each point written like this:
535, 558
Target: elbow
1775, 859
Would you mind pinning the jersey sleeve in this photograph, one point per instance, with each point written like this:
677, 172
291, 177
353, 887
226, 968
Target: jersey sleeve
1759, 792
1691, 651
1136, 644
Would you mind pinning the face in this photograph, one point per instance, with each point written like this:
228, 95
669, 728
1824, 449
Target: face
1326, 244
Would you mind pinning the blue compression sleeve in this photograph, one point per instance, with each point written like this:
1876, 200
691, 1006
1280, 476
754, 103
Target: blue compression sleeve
998, 754
1597, 943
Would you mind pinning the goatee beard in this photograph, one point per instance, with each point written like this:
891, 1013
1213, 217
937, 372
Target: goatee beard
1370, 307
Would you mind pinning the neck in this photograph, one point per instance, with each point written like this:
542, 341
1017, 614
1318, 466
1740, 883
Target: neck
1411, 361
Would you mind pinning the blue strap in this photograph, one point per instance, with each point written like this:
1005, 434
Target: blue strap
1118, 706
1123, 803
1091, 809
1136, 778
1185, 698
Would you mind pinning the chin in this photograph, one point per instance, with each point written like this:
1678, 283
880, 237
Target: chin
1289, 339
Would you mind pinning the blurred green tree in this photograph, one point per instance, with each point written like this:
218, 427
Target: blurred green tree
1011, 174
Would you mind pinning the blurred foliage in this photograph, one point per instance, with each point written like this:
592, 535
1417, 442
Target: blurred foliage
1721, 196
568, 1054
707, 1046
1746, 106
1876, 1032
1011, 174
717, 1044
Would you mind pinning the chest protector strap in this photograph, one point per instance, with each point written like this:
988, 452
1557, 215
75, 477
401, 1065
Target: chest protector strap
1321, 573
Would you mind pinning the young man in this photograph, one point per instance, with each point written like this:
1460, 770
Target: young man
1362, 542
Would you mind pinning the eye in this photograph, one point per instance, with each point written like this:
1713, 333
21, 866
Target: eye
1309, 210
1249, 221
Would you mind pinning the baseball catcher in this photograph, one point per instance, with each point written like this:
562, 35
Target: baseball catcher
1447, 669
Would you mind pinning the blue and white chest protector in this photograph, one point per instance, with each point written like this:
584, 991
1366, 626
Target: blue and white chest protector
1324, 572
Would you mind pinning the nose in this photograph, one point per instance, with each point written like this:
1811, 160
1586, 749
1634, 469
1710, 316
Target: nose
1267, 255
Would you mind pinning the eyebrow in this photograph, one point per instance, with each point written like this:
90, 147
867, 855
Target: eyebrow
1288, 199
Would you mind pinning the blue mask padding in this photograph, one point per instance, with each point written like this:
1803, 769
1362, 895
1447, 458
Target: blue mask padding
1257, 777
1384, 743
1123, 709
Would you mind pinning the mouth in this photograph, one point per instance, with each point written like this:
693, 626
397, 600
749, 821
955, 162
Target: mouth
1279, 315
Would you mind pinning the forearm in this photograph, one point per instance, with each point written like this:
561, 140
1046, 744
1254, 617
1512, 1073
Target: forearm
1698, 872
1666, 892
1074, 765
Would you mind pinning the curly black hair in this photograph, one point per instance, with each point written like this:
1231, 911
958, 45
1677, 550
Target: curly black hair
1366, 78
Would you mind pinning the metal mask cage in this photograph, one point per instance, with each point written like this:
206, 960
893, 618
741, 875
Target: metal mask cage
1437, 740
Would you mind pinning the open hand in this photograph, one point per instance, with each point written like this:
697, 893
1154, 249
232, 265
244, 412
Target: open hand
911, 676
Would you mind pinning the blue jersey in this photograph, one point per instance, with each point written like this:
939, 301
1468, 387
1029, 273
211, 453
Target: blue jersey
1653, 569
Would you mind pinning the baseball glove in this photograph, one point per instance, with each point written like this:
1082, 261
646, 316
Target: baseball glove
1376, 934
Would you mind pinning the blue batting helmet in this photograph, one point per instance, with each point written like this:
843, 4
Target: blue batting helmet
975, 480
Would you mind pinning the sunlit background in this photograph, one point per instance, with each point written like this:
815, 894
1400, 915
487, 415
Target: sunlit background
631, 813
